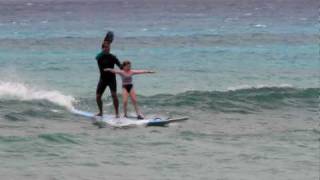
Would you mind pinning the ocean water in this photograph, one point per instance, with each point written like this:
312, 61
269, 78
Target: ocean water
245, 72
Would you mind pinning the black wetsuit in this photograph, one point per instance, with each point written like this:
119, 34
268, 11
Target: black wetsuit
107, 60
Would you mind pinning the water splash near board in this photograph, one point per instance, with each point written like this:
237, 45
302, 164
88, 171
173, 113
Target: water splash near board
126, 122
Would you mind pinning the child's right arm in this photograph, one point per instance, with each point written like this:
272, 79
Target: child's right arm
113, 70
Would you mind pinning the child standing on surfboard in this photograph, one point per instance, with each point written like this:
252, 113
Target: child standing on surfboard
127, 86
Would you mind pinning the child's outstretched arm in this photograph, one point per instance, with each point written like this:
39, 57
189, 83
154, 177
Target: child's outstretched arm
142, 71
115, 71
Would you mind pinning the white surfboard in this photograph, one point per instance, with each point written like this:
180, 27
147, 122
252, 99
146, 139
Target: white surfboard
126, 122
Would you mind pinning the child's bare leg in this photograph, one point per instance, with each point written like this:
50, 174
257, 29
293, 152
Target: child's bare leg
134, 102
125, 96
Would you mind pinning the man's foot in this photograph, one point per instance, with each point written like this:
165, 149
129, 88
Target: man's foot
140, 117
117, 116
99, 114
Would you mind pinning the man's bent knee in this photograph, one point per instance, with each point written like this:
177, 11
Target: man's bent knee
98, 96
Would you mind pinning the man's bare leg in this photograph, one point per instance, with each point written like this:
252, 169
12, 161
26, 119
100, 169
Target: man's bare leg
100, 104
115, 103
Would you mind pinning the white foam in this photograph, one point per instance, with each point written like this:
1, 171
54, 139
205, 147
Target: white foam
24, 92
231, 19
260, 25
259, 86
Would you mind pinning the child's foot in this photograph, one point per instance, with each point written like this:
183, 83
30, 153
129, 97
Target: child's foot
140, 117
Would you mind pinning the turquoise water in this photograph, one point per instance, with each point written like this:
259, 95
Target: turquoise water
246, 73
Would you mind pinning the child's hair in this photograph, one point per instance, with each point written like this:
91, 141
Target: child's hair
124, 63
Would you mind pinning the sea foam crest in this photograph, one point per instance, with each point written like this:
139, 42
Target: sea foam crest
24, 92
259, 86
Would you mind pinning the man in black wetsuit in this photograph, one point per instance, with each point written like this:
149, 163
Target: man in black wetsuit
107, 60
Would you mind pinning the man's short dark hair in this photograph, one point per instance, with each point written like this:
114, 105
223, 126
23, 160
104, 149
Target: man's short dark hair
109, 37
